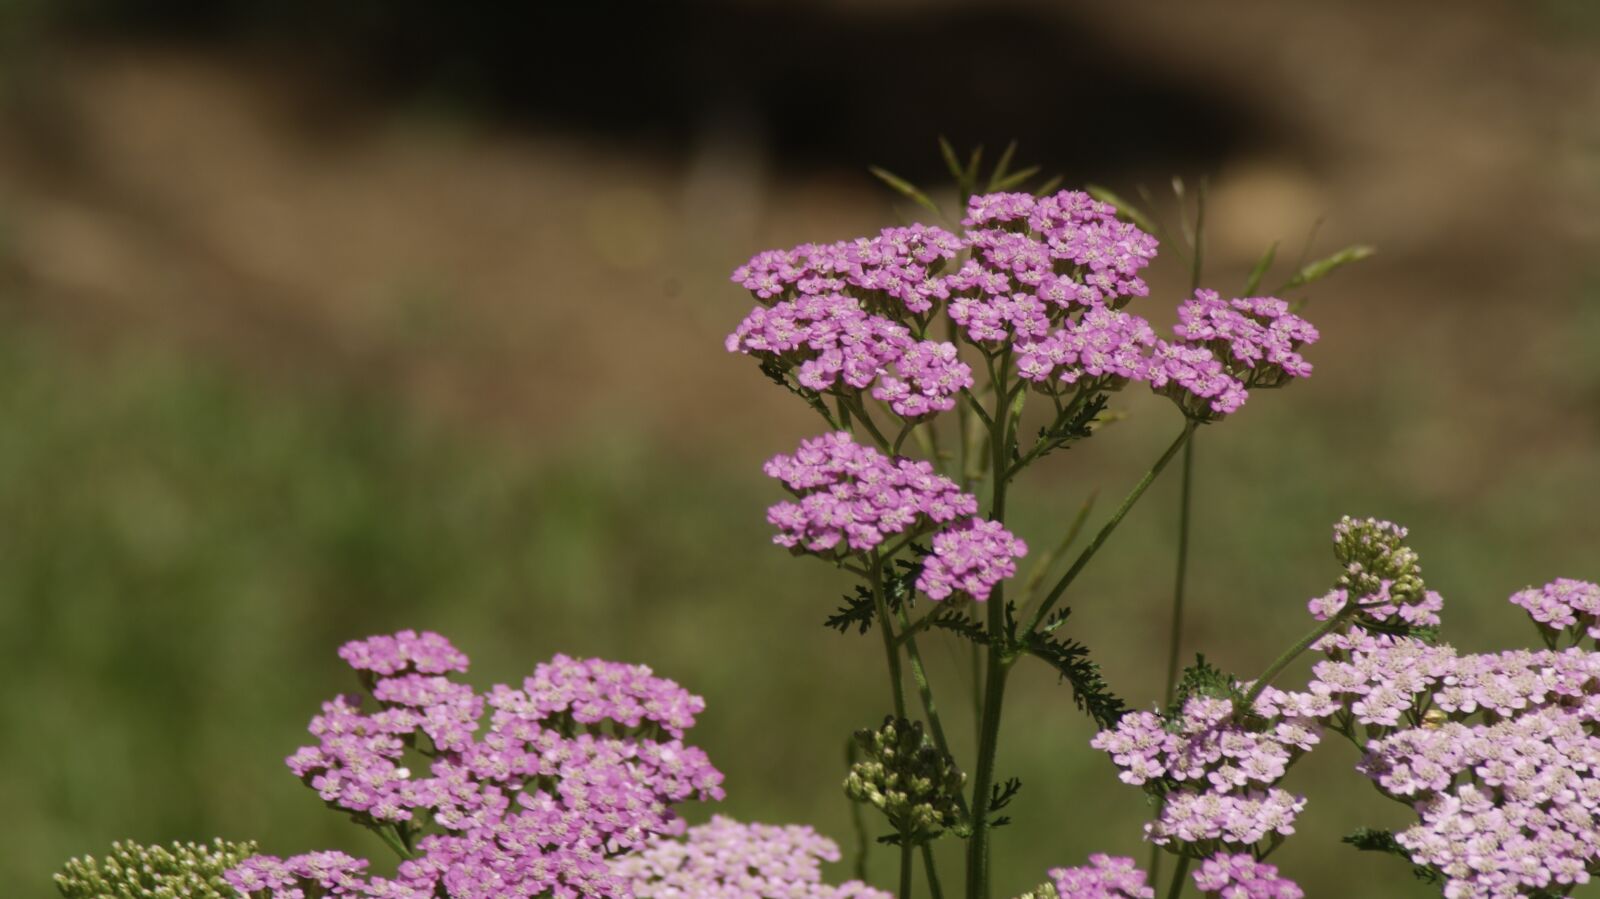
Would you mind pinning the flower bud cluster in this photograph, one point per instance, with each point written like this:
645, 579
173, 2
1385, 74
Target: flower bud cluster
1380, 570
729, 860
914, 784
583, 762
132, 871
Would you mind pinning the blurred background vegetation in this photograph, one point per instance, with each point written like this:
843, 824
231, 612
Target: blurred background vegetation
320, 320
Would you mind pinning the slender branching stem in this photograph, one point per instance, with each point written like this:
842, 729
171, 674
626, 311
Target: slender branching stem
886, 629
919, 675
391, 838
905, 865
900, 439
1293, 652
1105, 531
1042, 567
1180, 875
871, 426
1175, 627
977, 407
998, 660
934, 889
857, 820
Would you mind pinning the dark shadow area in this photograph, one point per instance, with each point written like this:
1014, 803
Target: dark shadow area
819, 89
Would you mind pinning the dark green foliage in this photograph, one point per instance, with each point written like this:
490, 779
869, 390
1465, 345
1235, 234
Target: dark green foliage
1078, 426
780, 376
857, 610
1071, 660
1000, 796
1369, 840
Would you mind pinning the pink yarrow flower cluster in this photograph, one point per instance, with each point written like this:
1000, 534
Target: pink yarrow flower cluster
1105, 877
970, 559
1564, 605
1258, 333
729, 860
850, 498
1242, 877
325, 873
1043, 277
853, 495
1224, 875
1495, 751
583, 762
1218, 778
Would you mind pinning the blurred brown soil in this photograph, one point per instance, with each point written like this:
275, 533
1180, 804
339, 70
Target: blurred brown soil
541, 282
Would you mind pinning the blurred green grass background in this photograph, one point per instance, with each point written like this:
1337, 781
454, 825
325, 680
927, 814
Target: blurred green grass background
284, 364
186, 547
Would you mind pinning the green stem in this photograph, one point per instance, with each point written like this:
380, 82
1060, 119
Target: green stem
857, 821
886, 629
997, 663
919, 675
905, 866
392, 839
872, 427
1175, 629
900, 439
1178, 878
1048, 560
988, 742
976, 657
1292, 653
934, 889
1110, 526
978, 408
1063, 414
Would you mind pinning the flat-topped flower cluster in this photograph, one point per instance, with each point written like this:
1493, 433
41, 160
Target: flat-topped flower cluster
1041, 279
1033, 285
725, 859
1226, 876
1496, 752
580, 764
